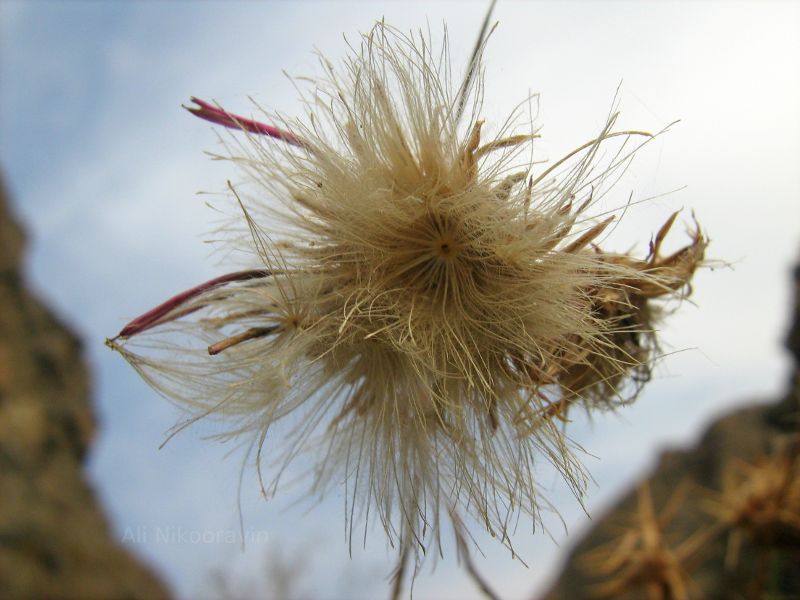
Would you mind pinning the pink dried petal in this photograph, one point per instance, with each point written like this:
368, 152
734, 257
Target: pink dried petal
156, 316
217, 115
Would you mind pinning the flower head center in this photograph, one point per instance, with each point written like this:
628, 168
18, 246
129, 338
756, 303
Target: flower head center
444, 246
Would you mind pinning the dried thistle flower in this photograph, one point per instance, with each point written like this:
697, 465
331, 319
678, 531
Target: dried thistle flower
423, 308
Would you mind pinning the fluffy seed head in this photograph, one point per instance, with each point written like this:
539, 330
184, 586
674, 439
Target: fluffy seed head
422, 306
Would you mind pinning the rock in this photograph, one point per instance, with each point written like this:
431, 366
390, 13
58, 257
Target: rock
55, 542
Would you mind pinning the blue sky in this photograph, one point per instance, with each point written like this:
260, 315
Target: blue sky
104, 169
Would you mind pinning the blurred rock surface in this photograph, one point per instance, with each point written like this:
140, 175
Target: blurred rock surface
55, 542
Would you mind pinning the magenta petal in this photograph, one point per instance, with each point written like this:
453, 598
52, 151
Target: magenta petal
217, 115
158, 315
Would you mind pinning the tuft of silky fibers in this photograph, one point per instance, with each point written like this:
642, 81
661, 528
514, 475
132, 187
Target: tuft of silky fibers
423, 303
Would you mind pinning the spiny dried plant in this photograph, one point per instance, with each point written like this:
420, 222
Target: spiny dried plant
760, 500
421, 305
640, 558
758, 504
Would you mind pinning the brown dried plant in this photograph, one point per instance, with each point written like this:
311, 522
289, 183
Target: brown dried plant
640, 558
419, 304
759, 501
